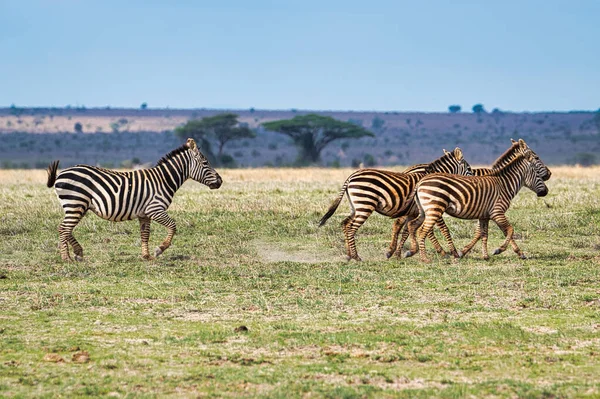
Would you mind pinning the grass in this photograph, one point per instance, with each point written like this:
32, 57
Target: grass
249, 254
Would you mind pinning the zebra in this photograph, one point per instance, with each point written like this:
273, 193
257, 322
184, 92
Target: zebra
389, 193
475, 197
144, 194
516, 148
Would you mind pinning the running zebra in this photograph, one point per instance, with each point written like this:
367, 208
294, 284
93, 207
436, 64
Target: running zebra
144, 194
388, 193
517, 147
475, 197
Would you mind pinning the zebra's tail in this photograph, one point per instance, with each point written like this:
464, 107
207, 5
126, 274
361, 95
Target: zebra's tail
334, 205
52, 169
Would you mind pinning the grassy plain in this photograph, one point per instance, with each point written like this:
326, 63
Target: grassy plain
250, 254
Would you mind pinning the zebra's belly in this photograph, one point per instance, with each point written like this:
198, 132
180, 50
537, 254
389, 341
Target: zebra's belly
466, 212
116, 213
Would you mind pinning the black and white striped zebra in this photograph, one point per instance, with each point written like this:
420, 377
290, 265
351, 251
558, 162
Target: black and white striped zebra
386, 192
400, 225
475, 197
144, 194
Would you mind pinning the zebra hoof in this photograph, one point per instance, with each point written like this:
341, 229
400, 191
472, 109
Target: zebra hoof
523, 256
497, 251
389, 254
486, 257
408, 254
459, 254
158, 251
148, 257
79, 258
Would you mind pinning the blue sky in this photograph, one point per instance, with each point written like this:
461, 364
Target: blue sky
339, 55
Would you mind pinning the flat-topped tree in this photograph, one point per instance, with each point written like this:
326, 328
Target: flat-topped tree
312, 133
222, 127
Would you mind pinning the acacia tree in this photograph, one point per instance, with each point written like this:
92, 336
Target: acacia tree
196, 129
312, 133
222, 127
478, 109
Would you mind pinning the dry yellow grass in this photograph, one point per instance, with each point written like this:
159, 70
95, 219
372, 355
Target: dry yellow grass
305, 175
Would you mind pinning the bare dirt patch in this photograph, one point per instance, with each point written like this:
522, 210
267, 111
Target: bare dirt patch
275, 252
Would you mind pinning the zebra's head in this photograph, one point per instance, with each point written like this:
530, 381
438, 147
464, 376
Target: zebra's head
540, 165
200, 169
451, 162
534, 171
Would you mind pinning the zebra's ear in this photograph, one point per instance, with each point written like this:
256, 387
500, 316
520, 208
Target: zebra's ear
513, 141
191, 143
445, 152
458, 153
523, 144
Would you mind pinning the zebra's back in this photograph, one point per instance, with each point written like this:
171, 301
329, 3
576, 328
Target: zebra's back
110, 194
385, 191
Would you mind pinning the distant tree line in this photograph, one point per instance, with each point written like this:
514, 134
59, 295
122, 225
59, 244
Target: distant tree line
310, 133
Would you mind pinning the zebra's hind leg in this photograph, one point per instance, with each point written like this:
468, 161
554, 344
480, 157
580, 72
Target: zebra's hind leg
161, 217
422, 233
441, 224
434, 241
396, 229
483, 228
65, 232
508, 231
145, 234
413, 226
350, 225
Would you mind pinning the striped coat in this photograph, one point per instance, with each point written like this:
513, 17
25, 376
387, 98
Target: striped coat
143, 194
385, 192
475, 197
400, 225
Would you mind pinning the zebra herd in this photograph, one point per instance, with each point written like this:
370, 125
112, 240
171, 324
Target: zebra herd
416, 198
420, 195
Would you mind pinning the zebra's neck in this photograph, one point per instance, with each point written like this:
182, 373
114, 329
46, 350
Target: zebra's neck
512, 175
174, 171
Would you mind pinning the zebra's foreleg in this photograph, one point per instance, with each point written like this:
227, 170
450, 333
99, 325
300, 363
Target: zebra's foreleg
145, 234
467, 248
161, 217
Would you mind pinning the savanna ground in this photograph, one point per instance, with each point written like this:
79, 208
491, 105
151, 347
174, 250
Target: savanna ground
250, 254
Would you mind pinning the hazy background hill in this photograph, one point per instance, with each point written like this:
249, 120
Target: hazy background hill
31, 137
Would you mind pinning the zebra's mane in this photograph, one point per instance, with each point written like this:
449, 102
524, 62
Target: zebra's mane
505, 158
172, 154
510, 165
433, 166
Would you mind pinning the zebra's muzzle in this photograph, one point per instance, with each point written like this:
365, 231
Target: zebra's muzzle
543, 192
216, 184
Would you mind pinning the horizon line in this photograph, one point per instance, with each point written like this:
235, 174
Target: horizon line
293, 110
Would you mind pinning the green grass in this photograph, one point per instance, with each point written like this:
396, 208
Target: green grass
250, 254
